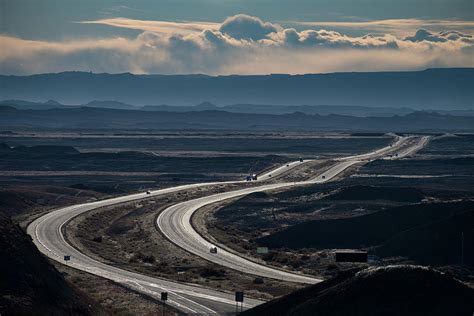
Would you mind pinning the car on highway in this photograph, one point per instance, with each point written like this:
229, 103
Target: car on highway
301, 159
213, 249
148, 192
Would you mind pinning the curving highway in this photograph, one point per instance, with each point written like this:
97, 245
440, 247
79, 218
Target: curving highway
46, 233
174, 222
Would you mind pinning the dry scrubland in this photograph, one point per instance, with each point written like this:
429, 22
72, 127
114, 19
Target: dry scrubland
35, 180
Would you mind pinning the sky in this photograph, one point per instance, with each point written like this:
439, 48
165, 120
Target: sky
221, 37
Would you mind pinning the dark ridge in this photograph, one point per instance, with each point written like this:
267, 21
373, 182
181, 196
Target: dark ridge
436, 243
448, 88
7, 109
463, 161
388, 291
39, 150
19, 199
86, 117
363, 231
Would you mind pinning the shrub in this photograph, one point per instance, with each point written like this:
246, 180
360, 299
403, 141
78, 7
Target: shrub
331, 266
148, 259
210, 272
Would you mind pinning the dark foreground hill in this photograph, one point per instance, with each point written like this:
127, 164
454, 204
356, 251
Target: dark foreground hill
448, 88
439, 242
29, 284
387, 291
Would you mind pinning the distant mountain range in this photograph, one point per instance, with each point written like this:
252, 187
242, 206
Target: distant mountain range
359, 111
93, 118
439, 89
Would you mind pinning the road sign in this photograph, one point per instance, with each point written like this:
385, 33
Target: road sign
262, 249
239, 296
67, 258
164, 296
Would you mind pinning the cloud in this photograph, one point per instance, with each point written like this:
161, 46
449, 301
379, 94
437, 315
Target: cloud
399, 27
240, 45
442, 37
157, 26
331, 39
243, 26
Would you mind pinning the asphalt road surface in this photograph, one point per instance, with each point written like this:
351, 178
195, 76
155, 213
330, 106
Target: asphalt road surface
46, 232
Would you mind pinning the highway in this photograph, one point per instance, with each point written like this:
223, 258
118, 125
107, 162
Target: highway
46, 232
417, 144
175, 221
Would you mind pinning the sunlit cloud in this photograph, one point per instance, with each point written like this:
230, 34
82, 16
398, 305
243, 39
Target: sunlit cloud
240, 45
399, 27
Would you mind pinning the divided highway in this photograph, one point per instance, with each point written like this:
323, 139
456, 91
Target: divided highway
174, 222
47, 235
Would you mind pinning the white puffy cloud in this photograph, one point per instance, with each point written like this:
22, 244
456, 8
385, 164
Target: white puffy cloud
331, 39
241, 45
